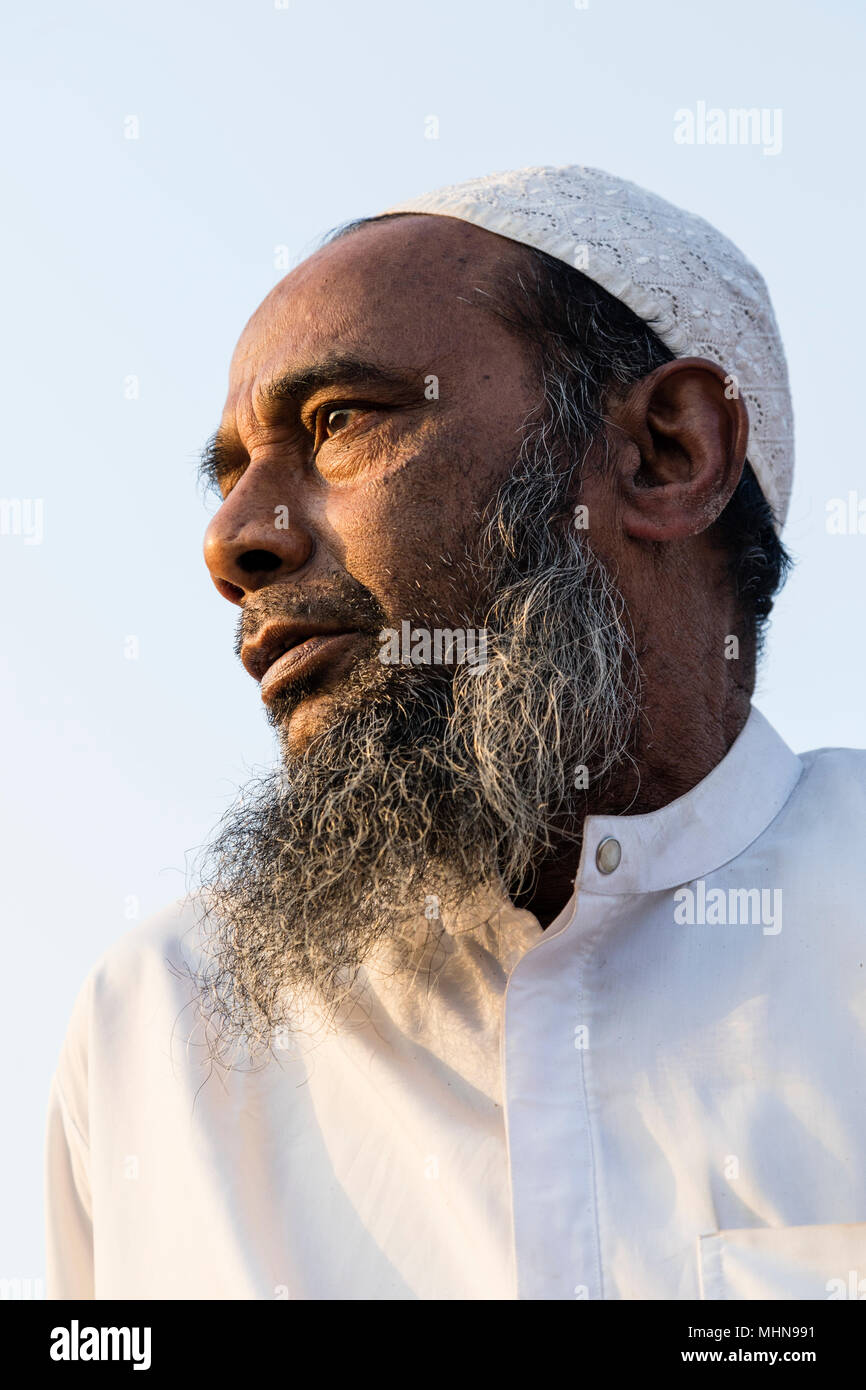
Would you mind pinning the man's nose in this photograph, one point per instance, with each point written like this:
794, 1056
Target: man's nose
253, 541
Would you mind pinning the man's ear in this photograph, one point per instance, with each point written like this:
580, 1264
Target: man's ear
679, 439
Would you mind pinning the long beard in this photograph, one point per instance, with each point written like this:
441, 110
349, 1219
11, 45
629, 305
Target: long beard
428, 788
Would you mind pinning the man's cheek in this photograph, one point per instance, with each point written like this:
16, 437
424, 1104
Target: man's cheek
387, 528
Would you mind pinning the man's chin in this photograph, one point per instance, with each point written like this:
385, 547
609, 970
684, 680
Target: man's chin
307, 717
312, 706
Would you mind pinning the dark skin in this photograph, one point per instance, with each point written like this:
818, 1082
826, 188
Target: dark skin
379, 481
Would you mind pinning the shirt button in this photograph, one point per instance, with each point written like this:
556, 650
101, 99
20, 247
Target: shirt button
608, 855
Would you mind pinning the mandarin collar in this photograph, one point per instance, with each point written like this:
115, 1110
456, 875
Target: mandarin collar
697, 833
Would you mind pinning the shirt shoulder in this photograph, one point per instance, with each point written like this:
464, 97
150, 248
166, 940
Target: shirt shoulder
144, 973
814, 847
172, 934
835, 779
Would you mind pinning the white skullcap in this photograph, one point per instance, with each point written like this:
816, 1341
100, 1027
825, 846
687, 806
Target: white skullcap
691, 285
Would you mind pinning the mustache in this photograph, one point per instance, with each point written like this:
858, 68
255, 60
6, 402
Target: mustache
339, 599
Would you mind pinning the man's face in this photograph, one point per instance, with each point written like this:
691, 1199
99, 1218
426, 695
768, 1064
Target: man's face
387, 455
373, 409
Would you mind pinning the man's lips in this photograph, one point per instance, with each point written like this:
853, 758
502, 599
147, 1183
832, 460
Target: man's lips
285, 651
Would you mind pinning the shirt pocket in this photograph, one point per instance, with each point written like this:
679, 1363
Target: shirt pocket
812, 1262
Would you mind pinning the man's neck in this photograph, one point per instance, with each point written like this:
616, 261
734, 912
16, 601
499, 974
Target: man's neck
667, 762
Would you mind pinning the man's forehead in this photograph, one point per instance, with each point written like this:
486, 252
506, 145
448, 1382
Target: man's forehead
398, 284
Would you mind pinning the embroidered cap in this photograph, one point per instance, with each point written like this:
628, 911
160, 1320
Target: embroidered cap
689, 283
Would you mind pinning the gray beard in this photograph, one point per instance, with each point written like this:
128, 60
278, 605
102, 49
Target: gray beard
428, 787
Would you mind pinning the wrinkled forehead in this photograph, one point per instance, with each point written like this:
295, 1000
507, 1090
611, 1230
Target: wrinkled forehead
407, 291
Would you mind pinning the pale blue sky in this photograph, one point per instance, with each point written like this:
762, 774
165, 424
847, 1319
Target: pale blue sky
263, 127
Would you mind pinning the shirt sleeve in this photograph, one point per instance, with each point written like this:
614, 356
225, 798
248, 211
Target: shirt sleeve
68, 1208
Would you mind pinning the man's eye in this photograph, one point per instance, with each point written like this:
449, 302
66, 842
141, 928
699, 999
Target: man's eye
333, 420
337, 419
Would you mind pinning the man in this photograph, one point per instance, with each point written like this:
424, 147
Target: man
535, 969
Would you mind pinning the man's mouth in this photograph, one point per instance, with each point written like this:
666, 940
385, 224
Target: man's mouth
284, 652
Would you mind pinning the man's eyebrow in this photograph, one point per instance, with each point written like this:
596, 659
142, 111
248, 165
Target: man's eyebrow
221, 455
335, 370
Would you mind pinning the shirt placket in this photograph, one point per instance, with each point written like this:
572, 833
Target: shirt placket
546, 1048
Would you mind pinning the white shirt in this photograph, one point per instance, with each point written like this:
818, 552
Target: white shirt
653, 1108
